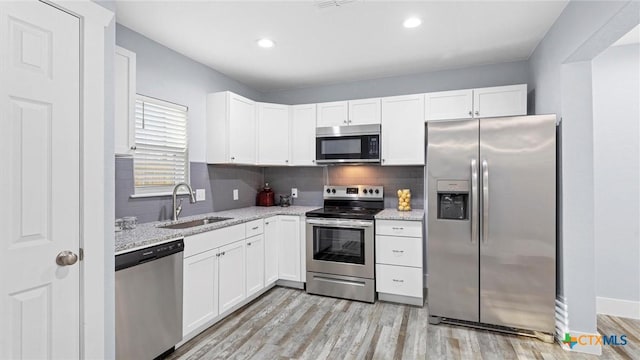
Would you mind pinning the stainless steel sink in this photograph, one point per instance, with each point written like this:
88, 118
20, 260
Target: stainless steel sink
193, 223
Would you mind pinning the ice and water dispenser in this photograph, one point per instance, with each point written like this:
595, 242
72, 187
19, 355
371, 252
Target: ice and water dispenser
453, 199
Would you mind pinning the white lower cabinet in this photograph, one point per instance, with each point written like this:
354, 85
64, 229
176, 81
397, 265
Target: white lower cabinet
231, 275
270, 250
255, 261
200, 290
289, 248
399, 273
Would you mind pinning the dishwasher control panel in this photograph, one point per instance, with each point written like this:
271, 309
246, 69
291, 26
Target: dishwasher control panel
139, 256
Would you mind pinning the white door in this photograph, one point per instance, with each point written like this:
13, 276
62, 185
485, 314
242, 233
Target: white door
289, 248
403, 130
255, 264
364, 111
39, 216
199, 290
242, 130
444, 105
273, 134
500, 101
231, 275
333, 114
303, 134
270, 250
124, 101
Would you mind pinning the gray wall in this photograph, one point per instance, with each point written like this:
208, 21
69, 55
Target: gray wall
616, 110
473, 77
310, 180
165, 74
560, 78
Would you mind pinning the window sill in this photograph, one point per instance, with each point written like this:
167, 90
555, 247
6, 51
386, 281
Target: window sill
158, 194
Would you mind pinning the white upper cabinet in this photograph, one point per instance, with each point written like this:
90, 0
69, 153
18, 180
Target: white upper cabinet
500, 101
444, 105
364, 111
303, 133
124, 101
231, 129
403, 130
333, 114
352, 112
273, 134
477, 103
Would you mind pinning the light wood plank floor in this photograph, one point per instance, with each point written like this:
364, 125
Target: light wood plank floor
291, 324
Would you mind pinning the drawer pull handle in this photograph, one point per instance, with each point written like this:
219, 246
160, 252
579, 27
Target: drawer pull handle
398, 251
254, 228
248, 244
397, 228
398, 280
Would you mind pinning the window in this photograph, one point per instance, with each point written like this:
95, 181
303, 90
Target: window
161, 158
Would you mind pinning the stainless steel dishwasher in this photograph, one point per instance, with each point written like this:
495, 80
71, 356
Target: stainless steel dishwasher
149, 301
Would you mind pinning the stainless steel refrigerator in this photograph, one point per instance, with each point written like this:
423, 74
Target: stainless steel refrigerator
491, 247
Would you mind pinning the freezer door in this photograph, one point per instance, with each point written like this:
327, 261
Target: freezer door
452, 243
518, 222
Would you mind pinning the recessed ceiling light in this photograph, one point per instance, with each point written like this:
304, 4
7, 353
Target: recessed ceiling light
266, 43
412, 22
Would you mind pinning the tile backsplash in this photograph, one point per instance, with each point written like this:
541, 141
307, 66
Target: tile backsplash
220, 180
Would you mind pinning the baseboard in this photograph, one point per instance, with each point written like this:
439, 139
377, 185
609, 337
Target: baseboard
586, 343
618, 307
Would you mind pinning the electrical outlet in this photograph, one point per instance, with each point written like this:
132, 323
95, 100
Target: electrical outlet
235, 194
200, 195
294, 192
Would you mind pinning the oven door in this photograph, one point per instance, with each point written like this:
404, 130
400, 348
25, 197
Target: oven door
340, 247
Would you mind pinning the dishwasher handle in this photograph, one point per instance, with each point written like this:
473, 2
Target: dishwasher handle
141, 256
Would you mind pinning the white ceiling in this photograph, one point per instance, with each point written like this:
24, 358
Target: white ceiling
632, 37
356, 41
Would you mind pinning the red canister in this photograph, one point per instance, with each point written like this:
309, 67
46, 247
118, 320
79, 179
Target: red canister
265, 197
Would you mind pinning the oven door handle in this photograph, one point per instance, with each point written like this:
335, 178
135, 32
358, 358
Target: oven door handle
358, 224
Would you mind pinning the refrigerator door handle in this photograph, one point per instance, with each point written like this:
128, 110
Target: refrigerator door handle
474, 201
485, 202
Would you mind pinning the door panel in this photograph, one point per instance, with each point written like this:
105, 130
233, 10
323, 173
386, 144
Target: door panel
255, 264
242, 130
271, 243
273, 134
517, 250
289, 248
445, 105
39, 118
403, 130
452, 256
200, 290
231, 275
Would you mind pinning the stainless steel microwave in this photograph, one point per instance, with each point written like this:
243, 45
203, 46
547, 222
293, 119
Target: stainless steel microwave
348, 144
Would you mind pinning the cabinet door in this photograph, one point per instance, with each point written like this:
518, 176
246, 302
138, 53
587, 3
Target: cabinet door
364, 111
445, 105
403, 130
271, 244
500, 101
242, 130
303, 135
333, 114
231, 275
255, 264
273, 134
124, 101
289, 248
200, 290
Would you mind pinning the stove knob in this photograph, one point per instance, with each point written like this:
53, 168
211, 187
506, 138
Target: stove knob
370, 191
328, 191
377, 191
333, 191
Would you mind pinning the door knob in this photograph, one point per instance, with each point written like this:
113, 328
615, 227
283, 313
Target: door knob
66, 258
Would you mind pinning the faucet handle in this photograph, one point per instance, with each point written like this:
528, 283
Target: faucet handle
179, 207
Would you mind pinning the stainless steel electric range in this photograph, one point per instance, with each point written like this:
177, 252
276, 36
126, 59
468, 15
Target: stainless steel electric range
340, 242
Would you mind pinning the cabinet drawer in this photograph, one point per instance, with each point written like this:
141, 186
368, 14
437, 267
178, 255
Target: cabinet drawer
198, 243
399, 280
254, 227
396, 250
399, 228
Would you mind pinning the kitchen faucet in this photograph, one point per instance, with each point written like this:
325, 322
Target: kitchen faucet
178, 209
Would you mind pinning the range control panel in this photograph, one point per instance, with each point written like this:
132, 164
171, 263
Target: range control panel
354, 192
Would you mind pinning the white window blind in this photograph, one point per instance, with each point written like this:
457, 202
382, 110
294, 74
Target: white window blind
161, 158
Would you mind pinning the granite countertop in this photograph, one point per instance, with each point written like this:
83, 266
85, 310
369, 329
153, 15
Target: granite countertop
148, 234
394, 214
